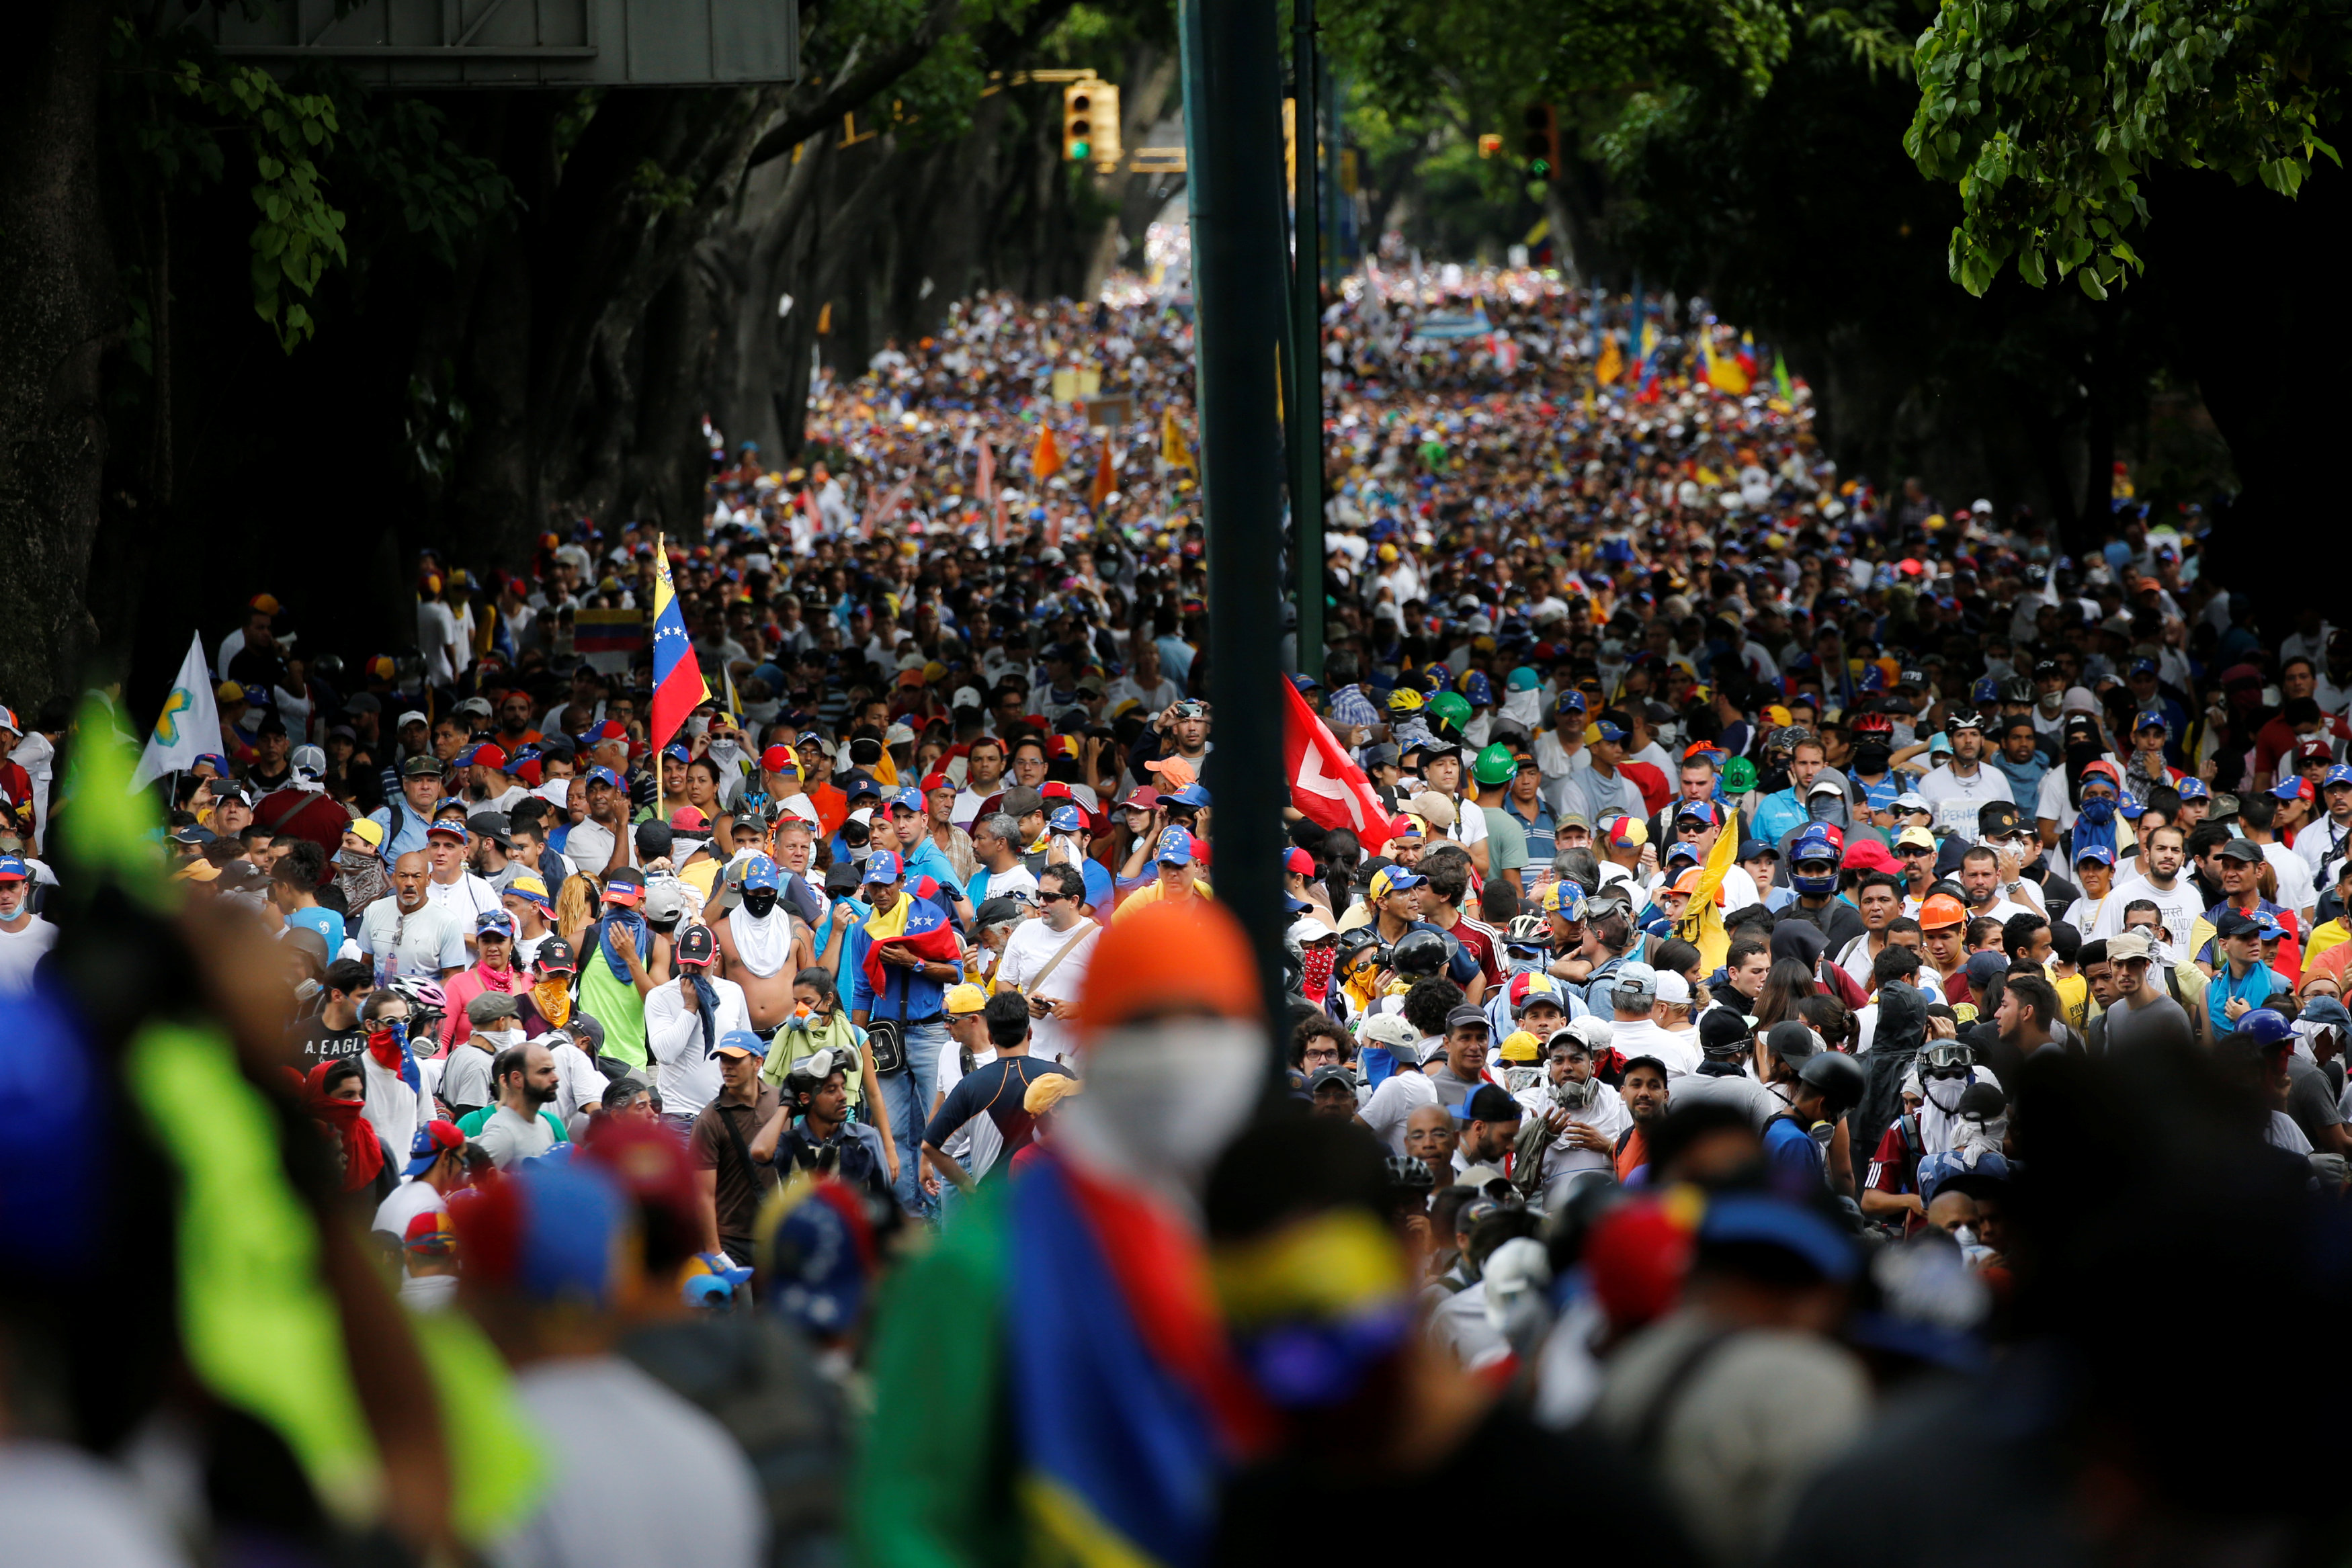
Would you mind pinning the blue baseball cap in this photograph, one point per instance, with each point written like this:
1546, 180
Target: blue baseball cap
1067, 819
1608, 732
907, 800
2150, 718
1569, 702
497, 920
1192, 795
2339, 774
679, 753
606, 775
2099, 853
884, 866
2193, 789
14, 869
760, 872
1700, 811
1756, 1219
2143, 666
1175, 848
432, 1139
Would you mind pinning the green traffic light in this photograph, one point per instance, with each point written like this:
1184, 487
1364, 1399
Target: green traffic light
1080, 151
1541, 167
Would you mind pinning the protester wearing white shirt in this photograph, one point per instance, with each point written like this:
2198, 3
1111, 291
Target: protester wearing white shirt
684, 1027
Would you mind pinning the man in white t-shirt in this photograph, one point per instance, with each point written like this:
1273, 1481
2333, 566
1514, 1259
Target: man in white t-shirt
436, 1167
1045, 961
437, 635
451, 887
24, 936
1959, 788
408, 934
2160, 881
1636, 1032
683, 1032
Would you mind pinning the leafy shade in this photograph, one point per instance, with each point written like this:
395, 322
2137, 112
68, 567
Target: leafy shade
2049, 116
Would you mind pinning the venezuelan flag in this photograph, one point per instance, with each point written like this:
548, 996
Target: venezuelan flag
678, 687
1126, 1402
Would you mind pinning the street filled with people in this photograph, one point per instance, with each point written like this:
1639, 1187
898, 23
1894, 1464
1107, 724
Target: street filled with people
1800, 1000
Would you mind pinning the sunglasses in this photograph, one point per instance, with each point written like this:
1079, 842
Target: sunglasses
1913, 852
1948, 1073
1045, 897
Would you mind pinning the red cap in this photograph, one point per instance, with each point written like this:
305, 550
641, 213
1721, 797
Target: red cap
776, 759
691, 819
1299, 861
1054, 790
936, 781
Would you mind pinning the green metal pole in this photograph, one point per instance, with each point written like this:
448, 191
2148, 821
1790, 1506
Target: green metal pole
1306, 402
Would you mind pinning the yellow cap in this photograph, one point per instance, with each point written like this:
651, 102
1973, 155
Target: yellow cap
1047, 1091
964, 998
373, 833
1519, 1046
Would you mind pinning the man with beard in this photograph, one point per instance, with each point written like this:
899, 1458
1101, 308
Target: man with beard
1017, 1345
1580, 1117
756, 947
516, 1130
1490, 1125
2158, 881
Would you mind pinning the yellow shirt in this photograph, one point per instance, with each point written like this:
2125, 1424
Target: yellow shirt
2326, 935
1143, 896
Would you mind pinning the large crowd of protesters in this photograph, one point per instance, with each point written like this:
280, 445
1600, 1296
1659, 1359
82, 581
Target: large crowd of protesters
1844, 988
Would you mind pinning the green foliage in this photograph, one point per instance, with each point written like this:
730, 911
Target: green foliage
2047, 116
396, 156
299, 231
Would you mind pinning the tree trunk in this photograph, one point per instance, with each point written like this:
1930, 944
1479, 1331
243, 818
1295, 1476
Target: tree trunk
60, 302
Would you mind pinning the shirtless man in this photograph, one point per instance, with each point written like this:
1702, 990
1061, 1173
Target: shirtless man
760, 949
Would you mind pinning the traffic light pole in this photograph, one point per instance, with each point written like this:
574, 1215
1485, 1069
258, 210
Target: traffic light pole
1305, 404
1233, 121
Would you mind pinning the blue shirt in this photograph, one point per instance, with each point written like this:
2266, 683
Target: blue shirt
326, 922
1779, 815
927, 859
2024, 777
410, 837
1793, 1155
1541, 830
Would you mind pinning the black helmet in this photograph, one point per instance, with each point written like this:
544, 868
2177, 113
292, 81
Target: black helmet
1419, 954
1410, 1174
1351, 943
1839, 1077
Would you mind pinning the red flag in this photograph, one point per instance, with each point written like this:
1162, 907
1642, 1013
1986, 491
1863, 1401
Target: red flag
984, 487
1325, 782
808, 504
1045, 460
876, 515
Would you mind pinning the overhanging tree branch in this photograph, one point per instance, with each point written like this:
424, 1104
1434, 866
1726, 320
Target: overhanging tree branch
858, 85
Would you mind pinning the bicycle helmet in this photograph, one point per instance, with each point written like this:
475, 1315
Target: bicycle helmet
419, 992
2017, 689
1963, 720
1419, 954
1873, 723
1839, 1077
1527, 930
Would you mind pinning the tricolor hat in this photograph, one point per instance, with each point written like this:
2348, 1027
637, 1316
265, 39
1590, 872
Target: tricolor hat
883, 867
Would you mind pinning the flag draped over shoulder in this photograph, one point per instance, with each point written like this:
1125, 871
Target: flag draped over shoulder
1325, 782
915, 923
678, 687
1127, 1401
1701, 925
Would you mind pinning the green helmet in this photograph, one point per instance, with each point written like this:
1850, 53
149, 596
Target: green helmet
1738, 776
1452, 707
1495, 765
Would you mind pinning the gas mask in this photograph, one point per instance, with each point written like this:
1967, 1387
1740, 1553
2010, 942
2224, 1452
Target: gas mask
1569, 1094
759, 901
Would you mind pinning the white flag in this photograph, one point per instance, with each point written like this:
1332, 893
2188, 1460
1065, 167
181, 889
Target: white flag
189, 725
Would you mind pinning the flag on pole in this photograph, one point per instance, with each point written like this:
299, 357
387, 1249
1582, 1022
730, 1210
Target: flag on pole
1046, 461
1781, 378
1173, 449
734, 702
189, 725
678, 687
1611, 365
1106, 481
1701, 925
1325, 782
996, 529
984, 487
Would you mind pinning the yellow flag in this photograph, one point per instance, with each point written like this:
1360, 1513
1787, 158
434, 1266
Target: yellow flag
1611, 365
1173, 449
1701, 924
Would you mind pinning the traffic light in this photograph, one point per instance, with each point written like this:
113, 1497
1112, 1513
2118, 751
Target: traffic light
1090, 123
1489, 144
1541, 143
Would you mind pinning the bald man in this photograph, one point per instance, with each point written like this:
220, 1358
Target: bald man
408, 934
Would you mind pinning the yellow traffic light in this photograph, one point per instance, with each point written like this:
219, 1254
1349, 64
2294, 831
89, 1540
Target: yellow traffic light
1490, 143
1090, 123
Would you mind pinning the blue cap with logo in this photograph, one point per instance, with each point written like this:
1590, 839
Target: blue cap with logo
760, 872
884, 866
1175, 848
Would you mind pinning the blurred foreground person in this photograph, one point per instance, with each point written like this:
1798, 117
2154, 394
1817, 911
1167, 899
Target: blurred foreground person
1053, 1380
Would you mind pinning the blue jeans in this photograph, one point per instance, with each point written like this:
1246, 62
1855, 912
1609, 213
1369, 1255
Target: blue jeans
907, 1098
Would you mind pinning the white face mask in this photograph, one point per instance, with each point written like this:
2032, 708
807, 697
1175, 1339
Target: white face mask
499, 1039
1944, 1093
1162, 1100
